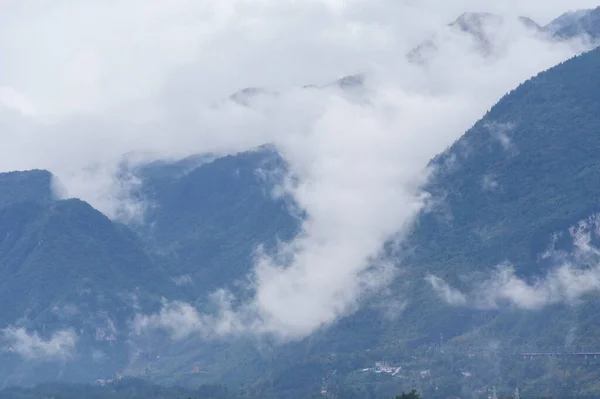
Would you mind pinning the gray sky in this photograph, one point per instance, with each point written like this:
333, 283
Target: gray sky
68, 56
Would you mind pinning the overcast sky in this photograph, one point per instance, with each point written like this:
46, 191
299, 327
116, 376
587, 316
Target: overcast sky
67, 56
82, 83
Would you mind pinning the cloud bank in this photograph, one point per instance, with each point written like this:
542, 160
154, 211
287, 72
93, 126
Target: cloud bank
59, 346
103, 79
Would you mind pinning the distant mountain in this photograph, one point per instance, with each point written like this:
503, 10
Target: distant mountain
476, 26
244, 96
576, 23
478, 29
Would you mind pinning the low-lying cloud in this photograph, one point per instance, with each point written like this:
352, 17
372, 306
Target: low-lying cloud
575, 275
61, 345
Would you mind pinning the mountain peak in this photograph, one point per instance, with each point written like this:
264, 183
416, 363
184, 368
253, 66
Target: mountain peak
24, 186
568, 18
529, 23
473, 22
243, 96
469, 20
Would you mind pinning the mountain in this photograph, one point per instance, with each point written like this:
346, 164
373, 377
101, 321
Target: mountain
34, 185
209, 220
67, 269
477, 30
245, 96
61, 252
525, 174
576, 23
515, 189
70, 277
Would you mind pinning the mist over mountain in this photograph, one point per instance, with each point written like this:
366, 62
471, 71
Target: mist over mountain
576, 23
307, 240
215, 214
479, 29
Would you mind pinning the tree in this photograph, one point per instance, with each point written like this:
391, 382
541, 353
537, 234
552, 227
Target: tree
413, 394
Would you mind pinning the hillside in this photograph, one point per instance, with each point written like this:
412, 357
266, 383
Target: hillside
66, 244
35, 185
208, 219
71, 280
526, 171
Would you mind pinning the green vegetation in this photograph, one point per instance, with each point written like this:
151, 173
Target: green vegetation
17, 187
124, 389
413, 394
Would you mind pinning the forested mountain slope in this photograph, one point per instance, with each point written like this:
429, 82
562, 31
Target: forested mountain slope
528, 169
34, 185
209, 219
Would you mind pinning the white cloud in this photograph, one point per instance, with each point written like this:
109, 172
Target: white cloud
181, 319
178, 318
109, 78
489, 183
60, 346
576, 275
501, 133
14, 100
446, 292
185, 279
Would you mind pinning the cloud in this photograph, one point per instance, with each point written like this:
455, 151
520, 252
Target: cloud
576, 275
151, 80
180, 319
60, 346
446, 292
500, 132
488, 183
180, 281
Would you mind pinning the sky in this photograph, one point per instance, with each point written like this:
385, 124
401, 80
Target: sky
83, 83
